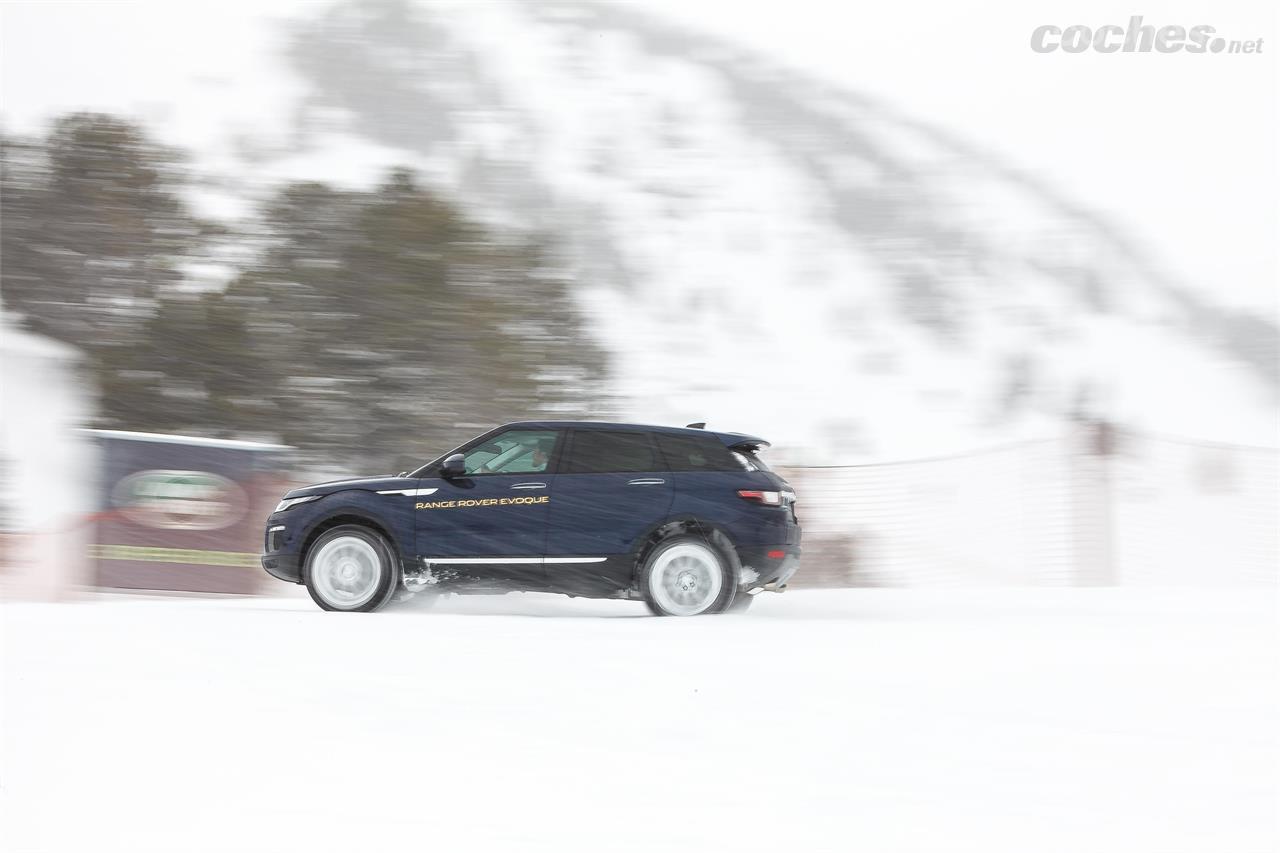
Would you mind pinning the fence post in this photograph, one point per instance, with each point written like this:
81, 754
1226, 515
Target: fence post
1092, 449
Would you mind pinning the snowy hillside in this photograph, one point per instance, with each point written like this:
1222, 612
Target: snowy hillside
745, 235
758, 248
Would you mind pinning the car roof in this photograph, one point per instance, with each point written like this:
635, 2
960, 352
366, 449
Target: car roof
730, 439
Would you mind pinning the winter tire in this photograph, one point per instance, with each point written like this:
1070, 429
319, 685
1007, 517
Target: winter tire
352, 569
685, 576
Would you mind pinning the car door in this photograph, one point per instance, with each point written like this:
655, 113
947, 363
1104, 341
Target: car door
488, 527
609, 490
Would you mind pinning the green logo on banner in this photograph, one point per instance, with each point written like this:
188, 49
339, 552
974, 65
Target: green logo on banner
180, 500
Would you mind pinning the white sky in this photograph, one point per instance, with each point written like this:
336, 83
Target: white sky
1181, 149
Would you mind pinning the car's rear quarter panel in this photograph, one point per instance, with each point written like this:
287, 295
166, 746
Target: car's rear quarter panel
712, 496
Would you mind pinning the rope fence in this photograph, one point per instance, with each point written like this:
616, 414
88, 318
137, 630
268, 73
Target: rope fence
1096, 506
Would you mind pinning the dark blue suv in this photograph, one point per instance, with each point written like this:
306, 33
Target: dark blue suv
687, 519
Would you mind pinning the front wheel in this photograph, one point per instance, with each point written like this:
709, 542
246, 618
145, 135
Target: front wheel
350, 568
686, 577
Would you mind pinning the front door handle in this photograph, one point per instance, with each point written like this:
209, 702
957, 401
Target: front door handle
529, 486
647, 481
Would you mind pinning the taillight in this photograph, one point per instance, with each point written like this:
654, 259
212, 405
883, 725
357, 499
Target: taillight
766, 498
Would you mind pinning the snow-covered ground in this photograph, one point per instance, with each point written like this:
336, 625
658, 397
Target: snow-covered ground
880, 720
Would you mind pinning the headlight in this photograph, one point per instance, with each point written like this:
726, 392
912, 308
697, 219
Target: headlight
288, 502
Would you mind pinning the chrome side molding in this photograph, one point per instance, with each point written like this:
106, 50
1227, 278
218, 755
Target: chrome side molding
506, 561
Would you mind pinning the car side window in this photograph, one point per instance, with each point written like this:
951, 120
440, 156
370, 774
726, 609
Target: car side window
696, 453
516, 451
610, 452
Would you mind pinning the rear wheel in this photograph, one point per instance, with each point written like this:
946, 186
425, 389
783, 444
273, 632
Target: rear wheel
686, 577
350, 568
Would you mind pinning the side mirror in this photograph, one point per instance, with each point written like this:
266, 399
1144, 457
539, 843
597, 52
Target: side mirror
453, 466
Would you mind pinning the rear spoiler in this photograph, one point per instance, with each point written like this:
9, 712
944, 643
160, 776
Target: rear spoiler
735, 440
748, 443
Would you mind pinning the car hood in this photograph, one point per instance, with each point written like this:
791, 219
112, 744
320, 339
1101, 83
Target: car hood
368, 484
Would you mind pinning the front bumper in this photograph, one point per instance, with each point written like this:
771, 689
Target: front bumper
280, 555
286, 567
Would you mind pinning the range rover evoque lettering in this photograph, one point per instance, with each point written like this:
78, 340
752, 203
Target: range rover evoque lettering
689, 520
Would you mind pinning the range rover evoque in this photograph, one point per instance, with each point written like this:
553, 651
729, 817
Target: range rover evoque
689, 520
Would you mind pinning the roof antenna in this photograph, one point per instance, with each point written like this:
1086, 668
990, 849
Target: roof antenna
698, 425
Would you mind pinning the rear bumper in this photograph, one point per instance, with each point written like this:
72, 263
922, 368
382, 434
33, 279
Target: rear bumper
767, 565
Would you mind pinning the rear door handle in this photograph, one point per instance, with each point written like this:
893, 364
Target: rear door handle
647, 481
529, 486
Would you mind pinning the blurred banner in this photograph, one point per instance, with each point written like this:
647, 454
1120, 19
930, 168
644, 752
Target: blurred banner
180, 513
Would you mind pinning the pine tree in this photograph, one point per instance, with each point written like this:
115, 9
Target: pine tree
375, 329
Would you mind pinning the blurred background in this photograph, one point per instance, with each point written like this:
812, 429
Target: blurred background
1008, 317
